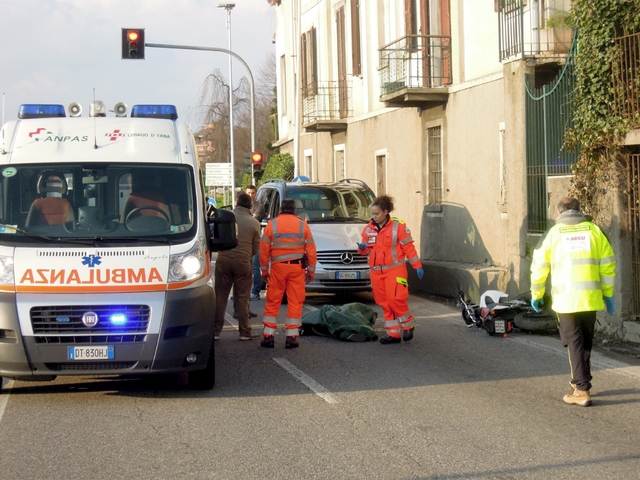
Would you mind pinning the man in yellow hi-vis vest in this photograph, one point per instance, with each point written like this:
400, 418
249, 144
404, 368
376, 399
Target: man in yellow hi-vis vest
582, 266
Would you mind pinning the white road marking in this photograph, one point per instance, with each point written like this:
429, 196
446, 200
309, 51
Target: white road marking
314, 386
232, 321
4, 397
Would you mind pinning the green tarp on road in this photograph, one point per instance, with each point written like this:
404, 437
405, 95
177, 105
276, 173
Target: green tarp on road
352, 322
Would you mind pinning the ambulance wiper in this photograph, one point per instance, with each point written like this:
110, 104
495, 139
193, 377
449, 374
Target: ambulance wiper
26, 233
162, 240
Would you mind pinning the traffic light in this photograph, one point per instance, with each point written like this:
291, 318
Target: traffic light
256, 160
133, 43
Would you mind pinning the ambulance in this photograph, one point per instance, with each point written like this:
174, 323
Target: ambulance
105, 243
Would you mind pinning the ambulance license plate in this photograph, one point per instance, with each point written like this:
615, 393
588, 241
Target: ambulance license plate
91, 353
347, 275
500, 327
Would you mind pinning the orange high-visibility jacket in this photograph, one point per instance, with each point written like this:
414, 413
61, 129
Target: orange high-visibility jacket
287, 238
387, 247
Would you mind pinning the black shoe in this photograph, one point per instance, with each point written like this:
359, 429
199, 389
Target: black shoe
387, 340
267, 341
407, 334
252, 314
291, 342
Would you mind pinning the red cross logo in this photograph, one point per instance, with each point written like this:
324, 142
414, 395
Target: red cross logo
113, 136
37, 132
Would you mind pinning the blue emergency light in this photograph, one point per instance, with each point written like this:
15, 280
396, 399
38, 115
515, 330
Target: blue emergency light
118, 319
35, 110
155, 111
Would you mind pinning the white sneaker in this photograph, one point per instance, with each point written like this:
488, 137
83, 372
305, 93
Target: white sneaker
253, 296
216, 338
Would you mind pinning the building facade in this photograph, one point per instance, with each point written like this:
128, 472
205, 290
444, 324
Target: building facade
456, 108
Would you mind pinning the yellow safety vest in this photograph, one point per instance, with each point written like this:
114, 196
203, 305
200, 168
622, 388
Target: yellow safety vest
582, 266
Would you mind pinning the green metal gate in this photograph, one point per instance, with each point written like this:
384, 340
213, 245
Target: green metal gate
549, 114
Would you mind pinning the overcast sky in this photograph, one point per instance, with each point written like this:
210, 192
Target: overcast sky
58, 51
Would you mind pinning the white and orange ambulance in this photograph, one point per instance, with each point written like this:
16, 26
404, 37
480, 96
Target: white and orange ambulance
105, 244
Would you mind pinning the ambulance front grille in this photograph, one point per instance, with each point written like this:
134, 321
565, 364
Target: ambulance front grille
89, 339
67, 319
89, 366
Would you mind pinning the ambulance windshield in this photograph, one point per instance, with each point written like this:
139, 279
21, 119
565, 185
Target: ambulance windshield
89, 201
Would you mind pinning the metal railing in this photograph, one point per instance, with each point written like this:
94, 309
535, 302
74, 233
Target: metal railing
415, 61
549, 115
626, 75
330, 100
539, 29
634, 224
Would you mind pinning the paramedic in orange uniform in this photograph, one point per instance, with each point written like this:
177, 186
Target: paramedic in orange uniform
387, 241
285, 241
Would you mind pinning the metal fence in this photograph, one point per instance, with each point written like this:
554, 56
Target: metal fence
330, 100
415, 61
626, 75
634, 225
549, 114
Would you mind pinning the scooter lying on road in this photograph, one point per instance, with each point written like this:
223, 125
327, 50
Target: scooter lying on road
496, 314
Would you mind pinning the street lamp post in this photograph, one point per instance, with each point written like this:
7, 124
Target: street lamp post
228, 7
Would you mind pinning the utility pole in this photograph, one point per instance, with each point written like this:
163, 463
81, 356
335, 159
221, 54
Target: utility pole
228, 7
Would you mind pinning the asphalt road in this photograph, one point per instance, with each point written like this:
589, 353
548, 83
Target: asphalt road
453, 403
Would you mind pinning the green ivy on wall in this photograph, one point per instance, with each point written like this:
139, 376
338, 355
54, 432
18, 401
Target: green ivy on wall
598, 129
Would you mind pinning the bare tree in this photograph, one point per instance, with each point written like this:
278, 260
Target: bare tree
214, 97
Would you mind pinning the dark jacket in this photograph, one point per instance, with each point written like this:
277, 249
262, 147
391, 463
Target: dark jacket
248, 237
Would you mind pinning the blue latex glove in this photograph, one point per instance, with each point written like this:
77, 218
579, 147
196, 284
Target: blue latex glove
608, 301
537, 304
362, 246
420, 272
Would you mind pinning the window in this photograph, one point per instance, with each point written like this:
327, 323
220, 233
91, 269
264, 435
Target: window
339, 170
283, 85
381, 173
434, 149
308, 60
356, 57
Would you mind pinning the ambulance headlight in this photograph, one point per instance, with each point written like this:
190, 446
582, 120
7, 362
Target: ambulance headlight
6, 270
188, 265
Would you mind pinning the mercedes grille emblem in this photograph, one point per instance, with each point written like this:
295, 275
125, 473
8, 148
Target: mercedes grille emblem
346, 258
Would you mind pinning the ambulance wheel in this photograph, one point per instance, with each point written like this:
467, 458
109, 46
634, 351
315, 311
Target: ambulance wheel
535, 322
204, 379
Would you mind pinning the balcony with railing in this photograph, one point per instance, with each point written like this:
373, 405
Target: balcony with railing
326, 105
626, 77
415, 70
540, 30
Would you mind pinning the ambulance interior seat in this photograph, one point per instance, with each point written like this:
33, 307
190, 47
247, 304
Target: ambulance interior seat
51, 207
146, 187
300, 211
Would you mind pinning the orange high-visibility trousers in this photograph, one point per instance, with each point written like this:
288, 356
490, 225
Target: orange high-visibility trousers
289, 278
391, 291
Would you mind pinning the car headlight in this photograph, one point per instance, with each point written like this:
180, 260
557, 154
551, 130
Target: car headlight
188, 265
6, 270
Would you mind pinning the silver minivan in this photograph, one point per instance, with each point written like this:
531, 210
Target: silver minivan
337, 213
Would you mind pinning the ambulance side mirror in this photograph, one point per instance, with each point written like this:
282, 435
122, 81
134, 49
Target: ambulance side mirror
223, 233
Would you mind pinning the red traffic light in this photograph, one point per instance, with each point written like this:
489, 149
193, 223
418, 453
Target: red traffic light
133, 43
256, 157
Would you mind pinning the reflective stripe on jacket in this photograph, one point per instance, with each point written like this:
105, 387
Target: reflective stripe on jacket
389, 246
287, 238
581, 262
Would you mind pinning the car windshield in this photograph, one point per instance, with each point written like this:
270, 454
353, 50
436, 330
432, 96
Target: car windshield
115, 202
317, 203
